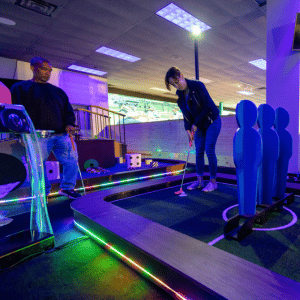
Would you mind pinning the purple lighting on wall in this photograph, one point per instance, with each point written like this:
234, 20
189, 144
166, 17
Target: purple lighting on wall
117, 54
86, 70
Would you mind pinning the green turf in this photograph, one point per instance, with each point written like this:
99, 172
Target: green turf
80, 271
199, 215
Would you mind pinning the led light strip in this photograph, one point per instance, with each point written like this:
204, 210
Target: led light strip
130, 261
15, 200
97, 186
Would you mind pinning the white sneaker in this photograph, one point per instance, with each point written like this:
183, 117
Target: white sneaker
194, 185
211, 186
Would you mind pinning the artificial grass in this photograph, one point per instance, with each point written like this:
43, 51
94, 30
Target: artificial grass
78, 271
199, 215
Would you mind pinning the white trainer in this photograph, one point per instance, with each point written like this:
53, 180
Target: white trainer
211, 186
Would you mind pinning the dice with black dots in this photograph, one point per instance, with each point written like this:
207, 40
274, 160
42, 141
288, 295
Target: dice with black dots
52, 170
133, 160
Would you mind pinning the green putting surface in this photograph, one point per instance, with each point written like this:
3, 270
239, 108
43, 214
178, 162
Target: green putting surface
200, 215
80, 270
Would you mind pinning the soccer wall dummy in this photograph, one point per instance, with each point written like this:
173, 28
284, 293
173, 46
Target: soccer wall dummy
247, 155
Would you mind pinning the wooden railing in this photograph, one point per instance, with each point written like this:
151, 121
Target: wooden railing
100, 123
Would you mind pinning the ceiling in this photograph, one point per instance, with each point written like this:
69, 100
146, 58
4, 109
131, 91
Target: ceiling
77, 28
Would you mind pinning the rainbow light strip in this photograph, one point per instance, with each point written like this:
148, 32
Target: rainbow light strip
17, 200
131, 262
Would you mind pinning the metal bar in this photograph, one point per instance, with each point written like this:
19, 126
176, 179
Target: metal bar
196, 60
124, 130
115, 127
97, 125
120, 129
101, 125
109, 126
78, 121
108, 110
84, 121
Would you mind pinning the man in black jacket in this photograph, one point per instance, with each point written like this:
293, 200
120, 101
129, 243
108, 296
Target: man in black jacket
201, 121
49, 109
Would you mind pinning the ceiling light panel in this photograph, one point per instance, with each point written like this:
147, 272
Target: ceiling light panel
181, 18
86, 70
247, 93
117, 54
260, 63
7, 21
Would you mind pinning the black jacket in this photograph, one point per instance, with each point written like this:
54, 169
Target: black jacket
47, 105
203, 109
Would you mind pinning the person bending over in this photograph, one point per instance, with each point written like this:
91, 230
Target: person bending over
49, 109
202, 122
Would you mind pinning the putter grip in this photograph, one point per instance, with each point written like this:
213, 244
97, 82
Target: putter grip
191, 142
72, 141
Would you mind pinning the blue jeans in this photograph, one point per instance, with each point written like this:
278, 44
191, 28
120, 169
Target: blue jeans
61, 146
206, 139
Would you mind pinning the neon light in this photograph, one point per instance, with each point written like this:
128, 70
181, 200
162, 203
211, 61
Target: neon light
117, 54
126, 258
128, 180
98, 186
33, 244
16, 200
216, 240
294, 220
178, 16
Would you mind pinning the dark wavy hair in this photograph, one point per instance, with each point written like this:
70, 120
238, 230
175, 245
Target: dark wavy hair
35, 61
173, 72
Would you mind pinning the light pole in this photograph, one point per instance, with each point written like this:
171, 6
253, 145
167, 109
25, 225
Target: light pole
196, 32
196, 60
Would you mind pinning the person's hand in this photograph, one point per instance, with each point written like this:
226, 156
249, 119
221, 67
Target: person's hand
190, 136
194, 128
71, 129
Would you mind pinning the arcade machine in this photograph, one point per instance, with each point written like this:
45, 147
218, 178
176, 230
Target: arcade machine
38, 235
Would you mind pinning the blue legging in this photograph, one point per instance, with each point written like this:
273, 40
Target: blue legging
205, 140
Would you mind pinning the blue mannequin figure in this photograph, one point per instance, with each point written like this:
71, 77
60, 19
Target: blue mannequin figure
282, 120
247, 155
270, 146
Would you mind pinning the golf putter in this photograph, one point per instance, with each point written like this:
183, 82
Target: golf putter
181, 193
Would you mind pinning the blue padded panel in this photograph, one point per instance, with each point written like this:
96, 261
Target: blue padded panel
282, 120
270, 146
247, 155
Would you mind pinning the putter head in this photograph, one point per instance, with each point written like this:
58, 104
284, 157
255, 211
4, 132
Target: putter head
183, 194
179, 192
